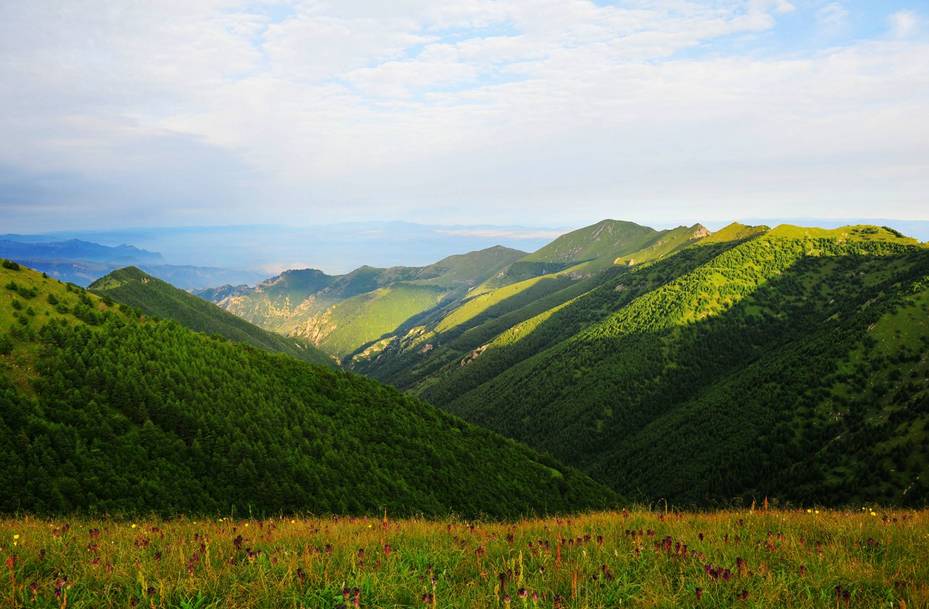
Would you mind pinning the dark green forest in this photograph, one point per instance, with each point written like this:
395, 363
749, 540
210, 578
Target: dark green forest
788, 363
106, 410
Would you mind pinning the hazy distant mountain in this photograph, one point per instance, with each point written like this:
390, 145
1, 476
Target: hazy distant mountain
75, 249
82, 262
335, 248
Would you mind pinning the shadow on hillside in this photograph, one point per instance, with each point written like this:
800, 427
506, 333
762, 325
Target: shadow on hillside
731, 405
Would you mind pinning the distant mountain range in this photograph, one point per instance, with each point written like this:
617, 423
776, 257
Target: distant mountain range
13, 247
82, 262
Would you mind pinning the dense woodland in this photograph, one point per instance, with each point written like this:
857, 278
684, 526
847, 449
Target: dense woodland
104, 410
788, 364
692, 368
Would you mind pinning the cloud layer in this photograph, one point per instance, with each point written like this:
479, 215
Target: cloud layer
473, 111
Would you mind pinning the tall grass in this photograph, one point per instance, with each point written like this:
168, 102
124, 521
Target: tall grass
640, 559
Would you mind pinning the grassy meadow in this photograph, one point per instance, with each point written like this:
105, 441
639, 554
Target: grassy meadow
802, 559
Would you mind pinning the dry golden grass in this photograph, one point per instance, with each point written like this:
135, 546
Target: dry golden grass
639, 559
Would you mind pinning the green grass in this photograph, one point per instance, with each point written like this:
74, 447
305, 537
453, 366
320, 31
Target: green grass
803, 559
361, 319
476, 305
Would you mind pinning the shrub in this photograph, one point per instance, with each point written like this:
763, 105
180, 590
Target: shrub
9, 264
6, 345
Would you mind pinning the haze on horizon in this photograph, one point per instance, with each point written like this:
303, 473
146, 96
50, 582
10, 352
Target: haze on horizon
530, 112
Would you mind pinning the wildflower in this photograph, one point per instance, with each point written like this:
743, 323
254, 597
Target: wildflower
134, 525
698, 593
15, 536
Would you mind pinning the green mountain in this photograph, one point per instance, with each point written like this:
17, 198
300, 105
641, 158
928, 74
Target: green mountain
439, 341
131, 286
105, 410
340, 313
752, 362
583, 250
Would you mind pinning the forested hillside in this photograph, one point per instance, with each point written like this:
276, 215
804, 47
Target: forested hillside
442, 339
153, 297
788, 363
104, 410
341, 313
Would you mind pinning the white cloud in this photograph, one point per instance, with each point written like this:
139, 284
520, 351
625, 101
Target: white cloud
833, 17
904, 23
459, 110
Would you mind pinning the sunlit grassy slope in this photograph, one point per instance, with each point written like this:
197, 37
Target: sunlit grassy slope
365, 317
800, 559
341, 313
102, 410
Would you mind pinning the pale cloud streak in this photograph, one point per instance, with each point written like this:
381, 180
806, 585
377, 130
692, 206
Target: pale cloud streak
475, 110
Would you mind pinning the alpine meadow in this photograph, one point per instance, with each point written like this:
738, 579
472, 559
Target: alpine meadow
487, 304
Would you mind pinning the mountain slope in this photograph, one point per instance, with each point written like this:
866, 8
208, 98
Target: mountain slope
103, 411
130, 286
593, 247
418, 355
722, 371
341, 313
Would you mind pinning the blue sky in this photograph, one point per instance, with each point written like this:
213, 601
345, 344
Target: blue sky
530, 112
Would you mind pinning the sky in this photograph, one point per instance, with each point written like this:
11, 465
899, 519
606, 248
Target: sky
135, 113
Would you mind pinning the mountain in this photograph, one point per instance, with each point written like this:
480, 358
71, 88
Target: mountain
82, 262
339, 313
131, 286
556, 274
104, 411
590, 248
786, 362
76, 249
